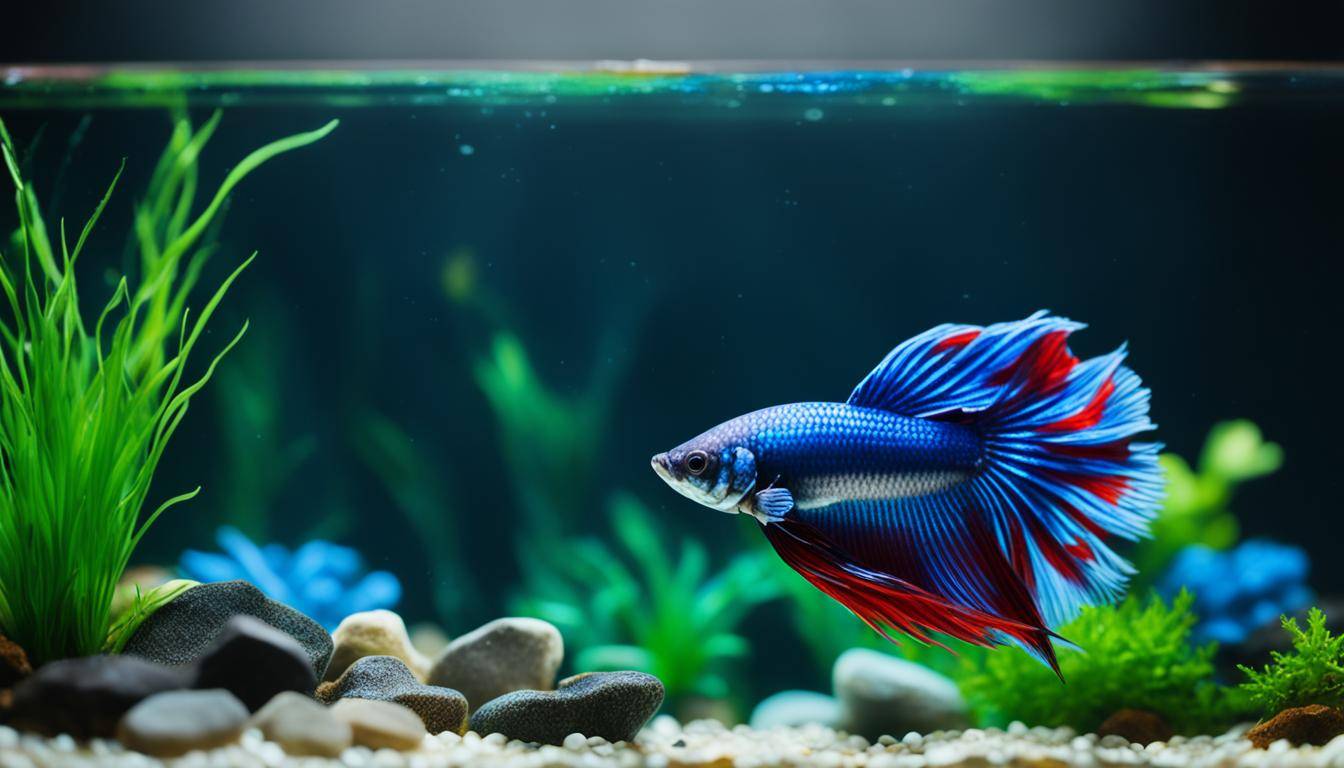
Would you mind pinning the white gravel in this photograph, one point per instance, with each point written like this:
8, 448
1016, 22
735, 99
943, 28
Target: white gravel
708, 744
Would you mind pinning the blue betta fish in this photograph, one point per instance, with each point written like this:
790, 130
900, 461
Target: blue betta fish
967, 487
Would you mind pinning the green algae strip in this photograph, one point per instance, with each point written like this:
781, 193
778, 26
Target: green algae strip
128, 86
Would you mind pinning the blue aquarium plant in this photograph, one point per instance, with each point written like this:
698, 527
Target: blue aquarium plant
1240, 590
323, 580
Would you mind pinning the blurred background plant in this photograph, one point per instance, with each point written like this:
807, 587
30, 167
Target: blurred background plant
258, 457
1196, 510
420, 489
647, 608
326, 581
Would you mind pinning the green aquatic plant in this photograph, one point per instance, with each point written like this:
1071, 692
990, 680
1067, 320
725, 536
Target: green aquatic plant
87, 410
421, 492
259, 458
1313, 673
650, 609
1133, 655
1196, 509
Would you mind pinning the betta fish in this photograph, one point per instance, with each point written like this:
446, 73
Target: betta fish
967, 488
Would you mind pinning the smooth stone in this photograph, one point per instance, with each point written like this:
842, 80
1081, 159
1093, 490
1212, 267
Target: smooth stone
503, 656
255, 661
790, 709
14, 664
86, 697
374, 633
180, 632
177, 722
302, 727
612, 705
1138, 726
385, 678
380, 724
881, 694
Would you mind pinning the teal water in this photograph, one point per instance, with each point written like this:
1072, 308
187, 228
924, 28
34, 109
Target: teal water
488, 296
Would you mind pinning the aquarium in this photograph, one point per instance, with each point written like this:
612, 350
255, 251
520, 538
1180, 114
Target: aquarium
330, 396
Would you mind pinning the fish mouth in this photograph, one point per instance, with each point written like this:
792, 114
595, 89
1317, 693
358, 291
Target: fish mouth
662, 467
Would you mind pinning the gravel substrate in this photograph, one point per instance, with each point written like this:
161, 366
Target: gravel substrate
666, 744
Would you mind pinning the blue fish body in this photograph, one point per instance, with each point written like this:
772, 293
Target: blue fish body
968, 487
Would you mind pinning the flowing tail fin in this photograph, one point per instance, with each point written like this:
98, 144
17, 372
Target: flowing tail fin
1023, 544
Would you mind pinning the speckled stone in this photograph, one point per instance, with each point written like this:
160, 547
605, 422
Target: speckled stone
385, 678
254, 661
14, 664
177, 722
506, 655
612, 705
180, 632
1313, 724
302, 727
86, 697
374, 633
380, 724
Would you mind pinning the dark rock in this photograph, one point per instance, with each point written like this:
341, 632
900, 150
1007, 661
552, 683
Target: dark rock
182, 631
1315, 724
14, 664
177, 722
385, 678
301, 726
613, 705
85, 697
380, 724
1136, 725
254, 661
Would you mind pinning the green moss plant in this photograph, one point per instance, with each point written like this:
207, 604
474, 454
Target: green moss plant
87, 409
650, 609
1313, 673
1133, 655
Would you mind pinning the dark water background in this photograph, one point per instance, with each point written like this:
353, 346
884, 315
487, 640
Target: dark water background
714, 260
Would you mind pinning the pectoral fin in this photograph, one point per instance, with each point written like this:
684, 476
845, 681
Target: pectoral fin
771, 504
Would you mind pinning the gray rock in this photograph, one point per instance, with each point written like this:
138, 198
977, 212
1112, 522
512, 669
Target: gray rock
385, 678
180, 632
374, 633
790, 709
503, 656
302, 727
883, 695
177, 722
86, 697
380, 724
254, 661
613, 705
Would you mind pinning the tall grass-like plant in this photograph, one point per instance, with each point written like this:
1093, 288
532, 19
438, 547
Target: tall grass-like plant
86, 411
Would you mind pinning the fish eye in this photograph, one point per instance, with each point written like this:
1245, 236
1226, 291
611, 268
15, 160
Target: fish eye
696, 462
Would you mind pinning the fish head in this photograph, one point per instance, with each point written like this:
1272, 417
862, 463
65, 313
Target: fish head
710, 470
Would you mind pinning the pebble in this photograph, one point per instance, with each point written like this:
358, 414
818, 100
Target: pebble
302, 726
180, 632
86, 697
881, 694
177, 722
385, 678
788, 709
613, 705
254, 661
374, 633
380, 724
503, 656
